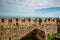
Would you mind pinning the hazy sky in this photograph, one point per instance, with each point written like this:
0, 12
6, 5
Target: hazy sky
30, 8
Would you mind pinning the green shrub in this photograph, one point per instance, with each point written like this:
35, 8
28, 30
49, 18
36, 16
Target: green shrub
52, 36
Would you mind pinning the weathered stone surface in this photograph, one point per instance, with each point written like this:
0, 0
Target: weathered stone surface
18, 29
18, 32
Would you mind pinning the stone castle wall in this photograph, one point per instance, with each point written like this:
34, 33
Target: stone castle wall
17, 28
26, 21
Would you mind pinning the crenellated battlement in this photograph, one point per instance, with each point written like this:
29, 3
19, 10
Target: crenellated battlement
27, 21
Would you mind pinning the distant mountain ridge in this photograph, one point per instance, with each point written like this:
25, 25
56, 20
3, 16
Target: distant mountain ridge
24, 17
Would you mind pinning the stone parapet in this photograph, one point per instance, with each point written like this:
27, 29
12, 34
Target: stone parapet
27, 21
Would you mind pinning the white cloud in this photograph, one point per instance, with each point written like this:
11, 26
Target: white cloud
28, 4
27, 7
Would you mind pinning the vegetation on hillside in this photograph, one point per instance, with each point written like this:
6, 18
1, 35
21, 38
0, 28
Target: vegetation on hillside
52, 36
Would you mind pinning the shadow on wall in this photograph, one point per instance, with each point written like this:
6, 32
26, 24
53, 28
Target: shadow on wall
35, 35
58, 29
58, 20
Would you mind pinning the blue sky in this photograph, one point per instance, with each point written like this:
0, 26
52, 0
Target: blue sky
30, 8
48, 10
